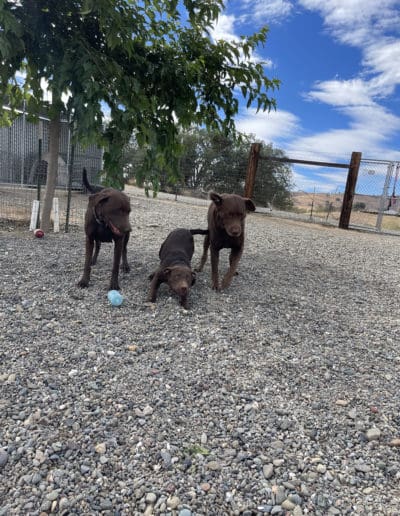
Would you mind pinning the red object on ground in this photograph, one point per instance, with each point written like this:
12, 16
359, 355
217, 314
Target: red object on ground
39, 233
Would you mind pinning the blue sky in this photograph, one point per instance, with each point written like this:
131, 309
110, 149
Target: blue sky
339, 64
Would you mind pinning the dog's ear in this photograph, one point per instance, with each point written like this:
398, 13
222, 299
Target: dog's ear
217, 199
99, 197
193, 278
250, 206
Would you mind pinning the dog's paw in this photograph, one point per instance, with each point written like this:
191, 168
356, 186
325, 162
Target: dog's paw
225, 283
125, 268
83, 283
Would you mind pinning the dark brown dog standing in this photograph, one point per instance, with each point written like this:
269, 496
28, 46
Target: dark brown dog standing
226, 217
106, 220
175, 269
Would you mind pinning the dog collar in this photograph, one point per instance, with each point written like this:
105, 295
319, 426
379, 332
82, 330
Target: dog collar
96, 218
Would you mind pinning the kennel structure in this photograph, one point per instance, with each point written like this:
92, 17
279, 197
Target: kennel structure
23, 160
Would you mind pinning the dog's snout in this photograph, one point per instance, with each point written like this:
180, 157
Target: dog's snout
235, 231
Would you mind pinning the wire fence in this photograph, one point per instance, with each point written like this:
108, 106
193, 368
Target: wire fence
376, 204
23, 166
24, 156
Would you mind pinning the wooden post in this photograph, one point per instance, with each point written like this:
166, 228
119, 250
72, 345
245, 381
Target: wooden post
252, 169
350, 190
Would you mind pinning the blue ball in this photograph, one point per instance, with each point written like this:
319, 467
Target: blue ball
115, 297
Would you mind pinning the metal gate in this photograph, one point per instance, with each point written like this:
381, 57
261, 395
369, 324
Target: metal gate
376, 203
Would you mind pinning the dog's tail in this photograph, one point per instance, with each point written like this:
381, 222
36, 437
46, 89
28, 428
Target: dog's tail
85, 181
90, 188
199, 231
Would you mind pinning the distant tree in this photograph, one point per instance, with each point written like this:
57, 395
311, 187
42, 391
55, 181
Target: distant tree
358, 206
210, 161
151, 63
273, 180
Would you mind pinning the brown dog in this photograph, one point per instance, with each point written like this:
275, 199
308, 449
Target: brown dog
106, 220
226, 217
175, 269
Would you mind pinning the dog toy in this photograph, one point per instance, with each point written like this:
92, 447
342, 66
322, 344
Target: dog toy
38, 233
115, 297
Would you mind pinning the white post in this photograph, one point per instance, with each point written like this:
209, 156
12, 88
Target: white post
34, 214
56, 215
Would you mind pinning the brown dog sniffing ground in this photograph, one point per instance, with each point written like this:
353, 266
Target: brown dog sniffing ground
175, 264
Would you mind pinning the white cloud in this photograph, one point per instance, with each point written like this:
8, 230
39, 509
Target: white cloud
269, 127
341, 93
357, 22
224, 28
268, 11
382, 59
369, 129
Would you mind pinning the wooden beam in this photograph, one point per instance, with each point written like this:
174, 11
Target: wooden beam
252, 165
307, 162
350, 190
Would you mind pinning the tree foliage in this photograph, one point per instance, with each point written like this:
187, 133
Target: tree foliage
150, 65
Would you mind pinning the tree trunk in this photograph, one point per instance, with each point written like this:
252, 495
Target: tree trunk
52, 170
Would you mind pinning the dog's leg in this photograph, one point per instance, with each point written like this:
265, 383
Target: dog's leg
203, 260
156, 281
84, 281
118, 245
96, 252
125, 265
214, 268
234, 259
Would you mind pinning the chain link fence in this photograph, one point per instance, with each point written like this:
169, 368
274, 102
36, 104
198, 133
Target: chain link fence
376, 204
24, 155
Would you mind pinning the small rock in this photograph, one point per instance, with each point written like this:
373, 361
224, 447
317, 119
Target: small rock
63, 504
352, 413
393, 442
213, 465
321, 468
279, 494
173, 502
268, 471
364, 468
151, 498
342, 403
373, 434
100, 448
147, 411
53, 495
205, 486
297, 511
287, 505
3, 458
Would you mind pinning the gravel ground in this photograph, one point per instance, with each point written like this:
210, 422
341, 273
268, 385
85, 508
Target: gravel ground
278, 396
